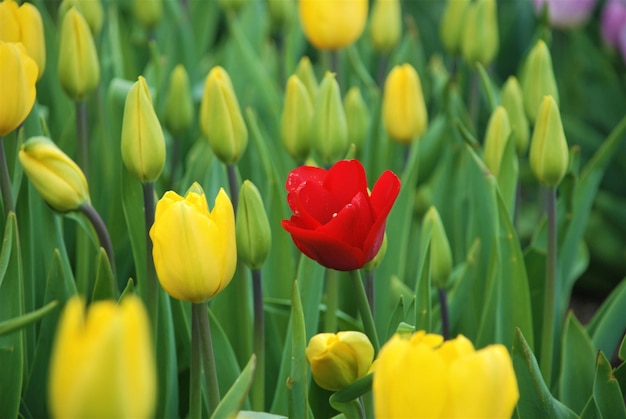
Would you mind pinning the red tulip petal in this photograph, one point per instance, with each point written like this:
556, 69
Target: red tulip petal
352, 224
303, 174
384, 194
345, 180
374, 240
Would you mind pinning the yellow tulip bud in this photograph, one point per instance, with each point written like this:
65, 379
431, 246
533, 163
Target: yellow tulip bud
332, 24
419, 376
386, 24
194, 249
549, 155
513, 102
143, 144
56, 177
90, 9
338, 360
357, 117
79, 68
24, 24
496, 138
440, 253
220, 117
404, 110
295, 124
178, 103
452, 21
254, 237
102, 363
18, 75
480, 41
305, 73
537, 79
148, 12
329, 128
281, 13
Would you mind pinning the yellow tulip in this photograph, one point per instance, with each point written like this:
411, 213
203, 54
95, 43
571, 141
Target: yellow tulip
295, 123
18, 75
480, 40
102, 363
194, 249
332, 24
56, 177
422, 376
90, 9
24, 24
79, 68
254, 236
404, 111
386, 24
337, 360
451, 24
148, 12
537, 79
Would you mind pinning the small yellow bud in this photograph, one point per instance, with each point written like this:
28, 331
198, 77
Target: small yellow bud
143, 144
357, 117
385, 24
513, 102
254, 237
56, 177
79, 68
281, 13
148, 12
305, 73
24, 24
338, 360
296, 119
332, 24
18, 76
220, 117
538, 79
90, 9
329, 127
452, 21
440, 253
178, 103
480, 40
404, 111
549, 155
496, 138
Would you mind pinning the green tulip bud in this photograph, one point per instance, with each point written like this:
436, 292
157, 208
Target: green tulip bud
330, 128
496, 137
220, 117
549, 155
513, 102
79, 68
357, 117
538, 79
56, 177
281, 13
480, 32
440, 253
296, 119
451, 26
143, 144
305, 73
254, 237
385, 24
178, 103
91, 10
373, 264
148, 12
231, 5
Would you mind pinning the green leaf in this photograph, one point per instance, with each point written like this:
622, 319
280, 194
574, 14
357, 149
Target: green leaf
247, 414
608, 324
104, 287
228, 368
488, 87
297, 380
233, 400
17, 323
622, 350
167, 371
508, 176
354, 390
606, 391
423, 305
128, 289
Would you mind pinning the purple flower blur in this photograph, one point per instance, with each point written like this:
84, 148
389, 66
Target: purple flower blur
613, 25
566, 13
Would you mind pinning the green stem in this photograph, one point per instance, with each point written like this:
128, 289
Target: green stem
195, 368
549, 304
233, 185
474, 98
258, 385
364, 309
151, 281
370, 289
81, 137
103, 234
201, 313
445, 318
5, 182
332, 301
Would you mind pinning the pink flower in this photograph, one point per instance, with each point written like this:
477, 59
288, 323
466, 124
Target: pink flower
566, 13
613, 20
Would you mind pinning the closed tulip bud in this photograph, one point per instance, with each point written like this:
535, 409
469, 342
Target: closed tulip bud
56, 177
357, 117
102, 363
90, 9
338, 360
79, 68
220, 117
143, 144
254, 237
329, 127
450, 29
233, 5
440, 253
538, 79
480, 41
549, 155
404, 110
496, 138
148, 12
513, 102
386, 24
194, 249
281, 13
178, 103
332, 24
18, 73
24, 24
422, 376
296, 119
305, 73
373, 264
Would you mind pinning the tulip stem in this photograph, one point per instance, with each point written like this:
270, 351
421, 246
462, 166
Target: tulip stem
332, 301
103, 235
151, 286
202, 358
81, 137
445, 318
366, 314
549, 305
369, 289
195, 375
233, 185
258, 386
7, 195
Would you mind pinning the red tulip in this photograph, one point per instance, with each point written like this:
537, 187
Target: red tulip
336, 221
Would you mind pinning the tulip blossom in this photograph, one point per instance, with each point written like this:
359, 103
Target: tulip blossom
24, 24
332, 24
336, 221
613, 25
195, 252
566, 13
423, 376
18, 75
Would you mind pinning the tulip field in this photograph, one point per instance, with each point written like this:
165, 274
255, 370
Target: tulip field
313, 209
